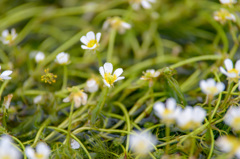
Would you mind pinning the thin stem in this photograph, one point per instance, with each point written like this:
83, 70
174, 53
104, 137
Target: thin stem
167, 131
99, 58
193, 146
228, 94
111, 45
65, 74
70, 123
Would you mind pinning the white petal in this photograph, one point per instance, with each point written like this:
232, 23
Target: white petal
211, 82
237, 65
74, 144
84, 47
146, 4
158, 108
171, 104
43, 149
84, 98
108, 68
101, 70
203, 85
66, 100
105, 25
105, 82
6, 73
90, 36
6, 77
30, 152
98, 36
198, 114
119, 78
220, 86
118, 72
84, 40
228, 64
77, 101
5, 33
94, 46
223, 70
126, 25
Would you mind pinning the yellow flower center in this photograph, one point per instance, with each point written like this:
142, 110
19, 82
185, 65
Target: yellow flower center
233, 71
92, 42
212, 90
6, 157
167, 112
39, 155
9, 37
140, 146
236, 123
191, 125
110, 78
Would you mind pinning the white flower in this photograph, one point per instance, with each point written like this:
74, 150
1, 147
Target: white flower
37, 99
232, 118
5, 75
7, 150
76, 95
39, 57
74, 144
142, 143
228, 2
167, 113
146, 4
116, 23
149, 75
108, 78
62, 58
8, 38
231, 73
191, 117
42, 151
91, 42
211, 88
229, 144
223, 15
92, 85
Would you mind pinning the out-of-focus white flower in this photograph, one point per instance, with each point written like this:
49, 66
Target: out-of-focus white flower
8, 38
108, 78
42, 151
232, 118
116, 23
211, 88
142, 143
91, 42
231, 73
146, 4
228, 2
76, 95
37, 99
229, 144
191, 117
149, 75
74, 144
92, 85
223, 16
168, 112
7, 100
7, 150
39, 57
62, 58
5, 75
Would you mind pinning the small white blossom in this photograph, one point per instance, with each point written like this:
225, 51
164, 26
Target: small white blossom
146, 4
37, 99
62, 58
8, 38
76, 95
228, 2
168, 112
42, 151
90, 40
223, 16
39, 57
5, 75
74, 144
108, 78
211, 88
142, 143
191, 117
230, 72
149, 75
92, 85
7, 150
232, 118
116, 23
229, 144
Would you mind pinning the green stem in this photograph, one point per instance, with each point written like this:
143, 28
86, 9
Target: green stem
111, 45
167, 131
70, 124
99, 58
228, 95
209, 110
65, 74
193, 147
